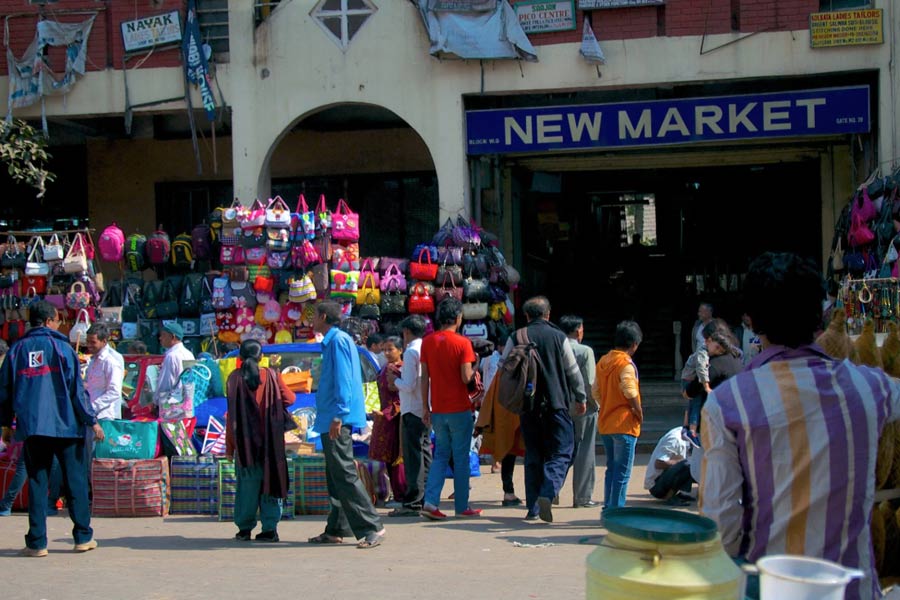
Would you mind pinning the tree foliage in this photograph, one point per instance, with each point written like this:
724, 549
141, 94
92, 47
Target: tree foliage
24, 150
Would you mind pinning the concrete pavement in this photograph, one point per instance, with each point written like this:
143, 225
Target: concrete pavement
497, 556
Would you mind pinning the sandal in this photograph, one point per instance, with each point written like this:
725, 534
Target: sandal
371, 540
324, 538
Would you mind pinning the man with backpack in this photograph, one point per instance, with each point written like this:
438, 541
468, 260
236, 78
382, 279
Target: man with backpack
546, 423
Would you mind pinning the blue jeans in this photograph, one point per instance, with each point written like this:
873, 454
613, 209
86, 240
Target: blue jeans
619, 458
39, 454
694, 406
452, 436
21, 476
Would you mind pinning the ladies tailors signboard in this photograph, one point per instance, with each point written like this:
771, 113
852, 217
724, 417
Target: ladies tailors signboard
831, 111
538, 16
599, 4
149, 32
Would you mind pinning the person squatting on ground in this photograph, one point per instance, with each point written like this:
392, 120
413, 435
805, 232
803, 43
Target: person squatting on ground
40, 385
621, 414
414, 434
258, 399
447, 359
668, 475
780, 472
547, 428
340, 406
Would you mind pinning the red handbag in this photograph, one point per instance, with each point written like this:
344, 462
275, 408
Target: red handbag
38, 282
420, 301
423, 271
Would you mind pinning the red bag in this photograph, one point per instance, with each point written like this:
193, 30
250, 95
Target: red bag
859, 234
38, 282
423, 271
420, 301
130, 488
8, 465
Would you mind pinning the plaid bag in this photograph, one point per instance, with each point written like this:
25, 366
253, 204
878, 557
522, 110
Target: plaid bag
228, 490
195, 485
130, 488
312, 490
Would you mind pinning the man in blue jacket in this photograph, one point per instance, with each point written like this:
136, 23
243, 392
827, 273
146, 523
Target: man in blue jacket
340, 405
41, 386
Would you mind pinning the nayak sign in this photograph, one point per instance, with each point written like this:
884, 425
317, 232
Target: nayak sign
536, 16
833, 111
148, 32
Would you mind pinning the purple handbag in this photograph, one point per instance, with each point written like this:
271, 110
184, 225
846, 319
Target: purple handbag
385, 263
392, 279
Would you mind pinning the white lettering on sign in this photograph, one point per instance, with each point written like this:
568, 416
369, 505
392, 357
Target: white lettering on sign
735, 117
708, 116
148, 32
770, 116
627, 129
525, 135
545, 128
673, 122
811, 104
583, 122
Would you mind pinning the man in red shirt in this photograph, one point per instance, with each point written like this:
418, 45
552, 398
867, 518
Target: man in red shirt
447, 367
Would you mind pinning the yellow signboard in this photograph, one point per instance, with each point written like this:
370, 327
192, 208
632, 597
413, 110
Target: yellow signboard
846, 28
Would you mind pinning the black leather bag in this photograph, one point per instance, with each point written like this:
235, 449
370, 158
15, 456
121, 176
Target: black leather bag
476, 290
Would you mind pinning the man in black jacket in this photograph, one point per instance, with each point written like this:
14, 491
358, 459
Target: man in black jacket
547, 428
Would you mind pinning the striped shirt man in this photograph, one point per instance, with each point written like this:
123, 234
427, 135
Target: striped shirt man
789, 466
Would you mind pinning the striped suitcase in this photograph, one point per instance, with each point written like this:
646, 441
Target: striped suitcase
130, 488
195, 485
312, 490
228, 490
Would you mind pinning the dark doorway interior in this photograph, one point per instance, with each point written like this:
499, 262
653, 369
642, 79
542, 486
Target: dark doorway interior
697, 229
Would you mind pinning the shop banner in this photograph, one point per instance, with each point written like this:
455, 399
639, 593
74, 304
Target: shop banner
537, 16
195, 60
149, 32
846, 28
598, 4
832, 111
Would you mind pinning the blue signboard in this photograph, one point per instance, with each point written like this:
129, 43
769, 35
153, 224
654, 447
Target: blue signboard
659, 122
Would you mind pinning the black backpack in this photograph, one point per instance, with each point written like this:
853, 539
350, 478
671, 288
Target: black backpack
135, 256
152, 296
517, 375
189, 301
183, 251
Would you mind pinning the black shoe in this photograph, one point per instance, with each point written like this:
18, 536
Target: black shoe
531, 517
267, 536
685, 497
545, 511
676, 501
511, 502
588, 504
555, 500
243, 535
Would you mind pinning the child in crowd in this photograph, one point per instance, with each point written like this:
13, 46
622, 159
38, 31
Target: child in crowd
374, 343
385, 442
695, 374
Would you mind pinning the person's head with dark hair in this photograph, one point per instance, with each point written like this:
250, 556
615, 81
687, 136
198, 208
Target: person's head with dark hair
137, 347
97, 338
572, 326
449, 313
374, 341
328, 315
415, 325
784, 293
719, 333
43, 314
392, 346
251, 353
705, 312
628, 337
537, 307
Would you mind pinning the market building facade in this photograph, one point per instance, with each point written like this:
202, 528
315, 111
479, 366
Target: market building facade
710, 131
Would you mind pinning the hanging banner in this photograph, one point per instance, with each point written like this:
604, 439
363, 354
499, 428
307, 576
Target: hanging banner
598, 4
846, 28
463, 5
833, 111
537, 16
195, 61
148, 32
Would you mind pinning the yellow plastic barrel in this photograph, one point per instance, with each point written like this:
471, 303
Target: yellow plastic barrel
656, 554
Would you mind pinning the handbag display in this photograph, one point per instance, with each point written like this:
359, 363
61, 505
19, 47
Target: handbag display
474, 311
423, 271
38, 282
78, 297
393, 303
344, 223
278, 214
392, 278
297, 380
345, 257
254, 217
76, 260
445, 291
344, 284
167, 307
449, 274
78, 333
476, 290
54, 250
321, 278
301, 290
420, 301
369, 309
303, 221
859, 234
386, 262
323, 216
35, 264
14, 254
449, 255
305, 255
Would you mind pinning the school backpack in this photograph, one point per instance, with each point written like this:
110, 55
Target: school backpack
158, 247
151, 297
221, 293
183, 251
135, 252
201, 241
112, 243
517, 375
189, 301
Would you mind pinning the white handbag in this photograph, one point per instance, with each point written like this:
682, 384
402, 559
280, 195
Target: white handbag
34, 264
76, 259
54, 250
78, 333
474, 311
278, 214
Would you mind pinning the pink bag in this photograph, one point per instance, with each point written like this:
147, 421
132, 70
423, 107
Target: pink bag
304, 255
393, 279
369, 269
864, 207
255, 217
344, 223
859, 234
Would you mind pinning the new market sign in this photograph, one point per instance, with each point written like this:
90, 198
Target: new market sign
537, 16
148, 32
598, 4
832, 111
846, 28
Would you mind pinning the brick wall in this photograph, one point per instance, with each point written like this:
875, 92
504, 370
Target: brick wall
688, 17
105, 42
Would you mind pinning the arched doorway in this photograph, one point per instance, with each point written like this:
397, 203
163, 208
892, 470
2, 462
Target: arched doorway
373, 159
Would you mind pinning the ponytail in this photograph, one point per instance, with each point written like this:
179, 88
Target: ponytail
251, 352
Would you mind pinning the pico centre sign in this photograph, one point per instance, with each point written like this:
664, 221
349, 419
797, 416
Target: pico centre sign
831, 111
148, 32
537, 16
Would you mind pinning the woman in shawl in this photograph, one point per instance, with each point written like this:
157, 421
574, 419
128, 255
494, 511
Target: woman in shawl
385, 442
254, 436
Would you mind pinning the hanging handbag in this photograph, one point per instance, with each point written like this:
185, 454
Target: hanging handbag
420, 302
264, 284
387, 262
76, 259
417, 252
78, 332
445, 291
345, 257
859, 234
278, 214
301, 290
323, 216
254, 217
393, 277
255, 256
344, 284
53, 250
369, 268
367, 290
475, 331
303, 221
369, 310
344, 223
423, 271
448, 274
253, 237
837, 256
474, 311
78, 297
306, 255
393, 302
449, 255
444, 235
35, 264
476, 290
167, 307
465, 234
38, 282
14, 254
321, 278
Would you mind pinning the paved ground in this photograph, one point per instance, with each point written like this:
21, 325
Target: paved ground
498, 556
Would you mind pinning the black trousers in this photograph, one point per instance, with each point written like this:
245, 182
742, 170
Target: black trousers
676, 478
351, 505
416, 440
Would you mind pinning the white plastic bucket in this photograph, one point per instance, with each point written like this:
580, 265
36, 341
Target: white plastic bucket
802, 578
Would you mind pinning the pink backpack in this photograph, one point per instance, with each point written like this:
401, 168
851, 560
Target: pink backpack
112, 243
